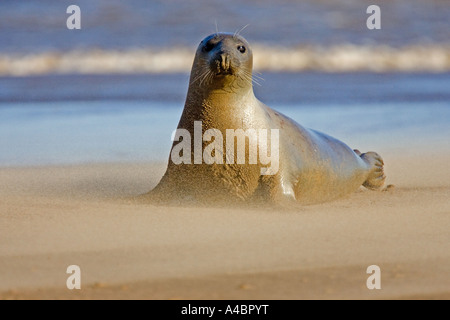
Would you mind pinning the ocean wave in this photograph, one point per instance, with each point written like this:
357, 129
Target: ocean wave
339, 58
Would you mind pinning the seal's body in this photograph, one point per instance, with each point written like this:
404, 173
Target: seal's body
313, 167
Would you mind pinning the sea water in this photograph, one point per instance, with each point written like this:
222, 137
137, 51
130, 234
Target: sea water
131, 118
114, 90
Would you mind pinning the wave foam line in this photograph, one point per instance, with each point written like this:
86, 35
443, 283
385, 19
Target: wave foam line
342, 58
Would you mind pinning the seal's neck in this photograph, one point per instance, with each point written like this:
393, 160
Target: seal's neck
219, 94
218, 107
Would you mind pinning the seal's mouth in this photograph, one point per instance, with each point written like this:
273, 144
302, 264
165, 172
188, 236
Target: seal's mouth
227, 72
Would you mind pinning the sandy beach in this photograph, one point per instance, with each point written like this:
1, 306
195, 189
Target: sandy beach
53, 217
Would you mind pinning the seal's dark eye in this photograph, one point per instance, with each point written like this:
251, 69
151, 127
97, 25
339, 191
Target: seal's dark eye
208, 47
241, 49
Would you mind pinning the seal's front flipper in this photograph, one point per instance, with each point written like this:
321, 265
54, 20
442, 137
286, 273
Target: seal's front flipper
376, 177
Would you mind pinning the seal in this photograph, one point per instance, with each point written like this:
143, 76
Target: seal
311, 167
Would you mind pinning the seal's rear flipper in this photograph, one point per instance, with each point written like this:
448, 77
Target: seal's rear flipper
376, 177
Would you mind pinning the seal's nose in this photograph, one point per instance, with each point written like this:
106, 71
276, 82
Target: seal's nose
224, 61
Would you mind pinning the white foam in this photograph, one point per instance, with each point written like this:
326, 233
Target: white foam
340, 58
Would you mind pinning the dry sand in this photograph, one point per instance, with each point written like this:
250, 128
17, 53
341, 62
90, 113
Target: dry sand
53, 217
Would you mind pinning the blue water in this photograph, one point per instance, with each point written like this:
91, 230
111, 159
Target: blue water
131, 118
72, 119
276, 88
36, 26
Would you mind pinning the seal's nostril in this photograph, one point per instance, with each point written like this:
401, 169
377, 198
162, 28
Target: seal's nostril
224, 61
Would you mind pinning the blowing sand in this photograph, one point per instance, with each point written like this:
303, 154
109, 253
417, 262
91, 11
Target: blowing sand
53, 217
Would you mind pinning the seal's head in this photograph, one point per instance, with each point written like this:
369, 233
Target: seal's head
223, 59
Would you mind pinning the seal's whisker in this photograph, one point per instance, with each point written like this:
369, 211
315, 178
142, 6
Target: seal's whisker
243, 79
205, 78
200, 75
238, 32
255, 74
210, 77
248, 75
248, 79
257, 83
203, 75
258, 77
217, 27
